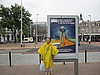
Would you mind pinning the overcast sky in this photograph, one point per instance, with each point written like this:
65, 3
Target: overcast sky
59, 7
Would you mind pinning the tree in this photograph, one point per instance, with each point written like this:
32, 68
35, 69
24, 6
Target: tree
4, 21
15, 11
11, 18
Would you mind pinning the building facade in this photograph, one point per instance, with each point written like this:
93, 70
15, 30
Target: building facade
89, 30
86, 30
7, 35
39, 31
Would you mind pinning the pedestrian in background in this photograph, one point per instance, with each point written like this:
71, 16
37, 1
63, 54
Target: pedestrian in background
47, 52
89, 41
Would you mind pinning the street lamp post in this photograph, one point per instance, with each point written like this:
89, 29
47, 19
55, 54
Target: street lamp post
90, 28
21, 23
36, 28
0, 29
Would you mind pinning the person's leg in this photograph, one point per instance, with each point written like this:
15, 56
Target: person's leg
48, 71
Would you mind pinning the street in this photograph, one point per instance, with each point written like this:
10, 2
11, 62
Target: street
82, 47
30, 56
89, 47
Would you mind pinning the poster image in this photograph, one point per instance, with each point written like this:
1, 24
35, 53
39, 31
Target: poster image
63, 34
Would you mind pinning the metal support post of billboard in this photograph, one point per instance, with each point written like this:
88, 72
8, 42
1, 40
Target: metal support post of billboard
69, 60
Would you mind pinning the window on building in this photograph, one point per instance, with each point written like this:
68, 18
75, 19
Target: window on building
99, 30
98, 24
82, 29
86, 29
93, 24
94, 30
12, 37
86, 24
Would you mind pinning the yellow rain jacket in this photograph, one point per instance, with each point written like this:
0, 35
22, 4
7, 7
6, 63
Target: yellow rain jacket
47, 51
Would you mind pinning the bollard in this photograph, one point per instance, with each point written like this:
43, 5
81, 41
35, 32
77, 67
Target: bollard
34, 44
85, 56
21, 45
64, 63
10, 58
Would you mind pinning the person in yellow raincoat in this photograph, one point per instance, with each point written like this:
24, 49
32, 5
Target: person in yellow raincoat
47, 52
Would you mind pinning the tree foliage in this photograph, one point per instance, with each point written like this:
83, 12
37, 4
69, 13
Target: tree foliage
11, 19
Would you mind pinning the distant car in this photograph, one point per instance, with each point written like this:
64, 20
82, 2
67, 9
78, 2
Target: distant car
28, 39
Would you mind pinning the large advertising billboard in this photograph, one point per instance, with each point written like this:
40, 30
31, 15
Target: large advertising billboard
63, 31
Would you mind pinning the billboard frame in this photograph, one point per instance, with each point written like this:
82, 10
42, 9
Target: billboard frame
68, 55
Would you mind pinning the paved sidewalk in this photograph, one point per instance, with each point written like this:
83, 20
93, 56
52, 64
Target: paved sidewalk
58, 69
14, 46
29, 59
92, 43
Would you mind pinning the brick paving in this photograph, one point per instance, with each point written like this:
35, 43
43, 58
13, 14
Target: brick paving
58, 69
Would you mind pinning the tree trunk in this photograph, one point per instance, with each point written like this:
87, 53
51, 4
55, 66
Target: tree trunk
19, 36
0, 38
4, 38
15, 35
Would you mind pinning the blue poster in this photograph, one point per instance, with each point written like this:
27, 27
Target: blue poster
62, 33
